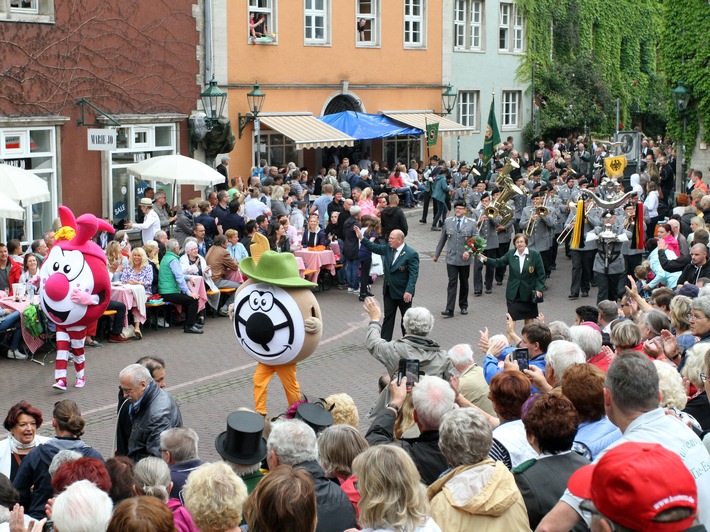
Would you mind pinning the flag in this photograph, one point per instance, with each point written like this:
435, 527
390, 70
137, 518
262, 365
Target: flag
492, 137
614, 166
432, 134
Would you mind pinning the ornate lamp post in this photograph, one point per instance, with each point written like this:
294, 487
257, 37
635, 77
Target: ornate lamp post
255, 100
448, 102
681, 96
213, 100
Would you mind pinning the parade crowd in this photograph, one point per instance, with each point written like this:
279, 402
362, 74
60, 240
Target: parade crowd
598, 423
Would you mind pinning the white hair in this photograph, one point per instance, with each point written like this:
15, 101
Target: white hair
65, 455
151, 477
418, 321
559, 330
293, 441
498, 338
561, 355
587, 338
355, 210
670, 383
82, 507
704, 291
461, 356
695, 364
136, 374
432, 398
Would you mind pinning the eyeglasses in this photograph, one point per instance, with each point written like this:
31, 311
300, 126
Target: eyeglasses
703, 377
693, 317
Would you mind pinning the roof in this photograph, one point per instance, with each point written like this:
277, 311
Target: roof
307, 131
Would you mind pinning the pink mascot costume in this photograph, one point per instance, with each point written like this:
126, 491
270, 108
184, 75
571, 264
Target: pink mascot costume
74, 289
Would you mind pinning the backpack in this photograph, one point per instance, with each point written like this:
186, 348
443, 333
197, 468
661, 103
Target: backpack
32, 323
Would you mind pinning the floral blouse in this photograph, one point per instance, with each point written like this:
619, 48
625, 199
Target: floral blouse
145, 277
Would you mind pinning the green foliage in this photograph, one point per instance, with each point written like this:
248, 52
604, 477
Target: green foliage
586, 55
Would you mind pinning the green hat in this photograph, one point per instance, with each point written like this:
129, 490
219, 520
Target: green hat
279, 269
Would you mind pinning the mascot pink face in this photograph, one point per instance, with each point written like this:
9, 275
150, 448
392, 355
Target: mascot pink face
78, 264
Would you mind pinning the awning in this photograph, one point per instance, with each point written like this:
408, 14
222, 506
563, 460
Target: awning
420, 120
307, 131
362, 126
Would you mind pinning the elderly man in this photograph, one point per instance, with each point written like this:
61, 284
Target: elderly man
151, 221
152, 410
179, 449
243, 447
472, 383
631, 397
222, 169
698, 267
294, 443
401, 265
220, 261
162, 210
432, 398
174, 289
561, 355
589, 340
418, 323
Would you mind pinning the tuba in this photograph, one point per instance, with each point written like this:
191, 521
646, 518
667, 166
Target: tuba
504, 173
606, 205
501, 206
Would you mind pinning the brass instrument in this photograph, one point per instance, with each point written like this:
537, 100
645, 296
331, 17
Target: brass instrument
540, 211
629, 222
492, 211
570, 226
504, 173
479, 224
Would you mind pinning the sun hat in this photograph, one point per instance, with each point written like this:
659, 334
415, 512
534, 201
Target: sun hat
279, 269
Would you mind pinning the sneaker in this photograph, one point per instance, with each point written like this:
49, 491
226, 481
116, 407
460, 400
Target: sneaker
352, 291
223, 312
80, 383
16, 354
60, 384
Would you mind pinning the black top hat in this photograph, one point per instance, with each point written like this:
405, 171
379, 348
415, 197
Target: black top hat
242, 443
315, 416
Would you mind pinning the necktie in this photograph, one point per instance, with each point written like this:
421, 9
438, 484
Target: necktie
458, 224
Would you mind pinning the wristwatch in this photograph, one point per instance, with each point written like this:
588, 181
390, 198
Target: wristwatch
393, 406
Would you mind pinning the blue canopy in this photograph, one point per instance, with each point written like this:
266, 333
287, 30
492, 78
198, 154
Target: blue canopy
362, 126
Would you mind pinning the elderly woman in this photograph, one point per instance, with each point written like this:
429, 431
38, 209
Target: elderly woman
33, 479
508, 392
151, 477
695, 372
236, 249
651, 325
625, 335
393, 499
550, 425
284, 501
22, 422
338, 446
215, 496
418, 323
173, 288
140, 272
583, 385
476, 493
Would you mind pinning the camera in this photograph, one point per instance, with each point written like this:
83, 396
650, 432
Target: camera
522, 357
408, 367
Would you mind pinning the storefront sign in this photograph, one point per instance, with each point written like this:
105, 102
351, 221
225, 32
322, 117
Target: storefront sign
119, 210
140, 189
102, 139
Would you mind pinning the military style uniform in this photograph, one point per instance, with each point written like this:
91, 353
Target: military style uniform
583, 256
542, 234
455, 235
487, 231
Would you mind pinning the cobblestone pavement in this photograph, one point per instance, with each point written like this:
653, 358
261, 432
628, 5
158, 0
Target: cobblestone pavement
210, 376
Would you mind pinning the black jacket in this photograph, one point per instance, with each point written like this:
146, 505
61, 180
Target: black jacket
672, 266
424, 449
393, 218
334, 509
351, 244
691, 273
156, 412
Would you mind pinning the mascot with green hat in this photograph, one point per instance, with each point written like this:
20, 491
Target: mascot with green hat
277, 319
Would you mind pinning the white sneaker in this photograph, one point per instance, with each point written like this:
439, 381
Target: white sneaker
162, 323
15, 353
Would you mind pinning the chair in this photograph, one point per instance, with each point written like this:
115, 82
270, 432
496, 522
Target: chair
154, 309
104, 323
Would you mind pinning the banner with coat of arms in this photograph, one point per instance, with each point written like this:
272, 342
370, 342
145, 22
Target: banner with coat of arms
614, 166
432, 134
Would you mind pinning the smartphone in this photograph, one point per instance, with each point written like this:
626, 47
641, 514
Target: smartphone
522, 357
408, 367
48, 526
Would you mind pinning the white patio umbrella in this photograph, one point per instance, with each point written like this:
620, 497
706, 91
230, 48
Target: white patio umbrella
176, 169
23, 186
10, 209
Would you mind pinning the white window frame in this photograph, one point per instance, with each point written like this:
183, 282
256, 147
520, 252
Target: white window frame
310, 14
511, 110
373, 20
511, 28
411, 19
32, 8
468, 108
268, 8
468, 25
39, 11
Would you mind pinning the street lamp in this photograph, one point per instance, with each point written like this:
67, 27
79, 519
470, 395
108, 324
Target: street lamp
448, 100
255, 99
213, 100
681, 98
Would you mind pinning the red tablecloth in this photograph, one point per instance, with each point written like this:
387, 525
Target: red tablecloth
32, 343
197, 284
315, 260
124, 294
238, 276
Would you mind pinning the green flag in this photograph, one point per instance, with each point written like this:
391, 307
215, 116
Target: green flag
432, 134
492, 137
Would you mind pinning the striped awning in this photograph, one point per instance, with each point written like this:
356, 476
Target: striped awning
306, 131
420, 120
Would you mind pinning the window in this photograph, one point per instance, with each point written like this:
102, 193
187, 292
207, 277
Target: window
262, 21
511, 31
402, 147
414, 24
468, 16
468, 108
276, 148
33, 149
23, 6
367, 23
41, 11
511, 110
317, 22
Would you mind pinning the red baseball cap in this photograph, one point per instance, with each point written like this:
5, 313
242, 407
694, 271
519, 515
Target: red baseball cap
634, 482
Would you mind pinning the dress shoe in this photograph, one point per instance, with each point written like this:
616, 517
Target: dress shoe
489, 291
199, 325
585, 294
464, 311
447, 314
553, 267
499, 283
572, 296
116, 339
193, 330
477, 294
422, 221
436, 228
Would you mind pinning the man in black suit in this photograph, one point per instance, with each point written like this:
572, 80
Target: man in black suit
401, 265
222, 169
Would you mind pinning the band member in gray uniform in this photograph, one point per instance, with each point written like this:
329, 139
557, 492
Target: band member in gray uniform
486, 227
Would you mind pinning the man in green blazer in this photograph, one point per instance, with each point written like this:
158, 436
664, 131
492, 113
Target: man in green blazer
526, 275
401, 265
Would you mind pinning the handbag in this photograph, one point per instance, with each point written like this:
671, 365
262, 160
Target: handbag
377, 268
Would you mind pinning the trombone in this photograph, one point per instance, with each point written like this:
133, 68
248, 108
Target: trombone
570, 226
630, 221
482, 213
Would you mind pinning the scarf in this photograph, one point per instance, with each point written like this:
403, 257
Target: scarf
16, 445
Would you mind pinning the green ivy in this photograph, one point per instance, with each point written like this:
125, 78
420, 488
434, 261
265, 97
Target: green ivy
589, 54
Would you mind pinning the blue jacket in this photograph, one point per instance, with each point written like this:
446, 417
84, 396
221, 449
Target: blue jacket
490, 365
597, 435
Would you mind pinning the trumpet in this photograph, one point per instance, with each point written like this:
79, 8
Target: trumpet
630, 221
482, 212
540, 211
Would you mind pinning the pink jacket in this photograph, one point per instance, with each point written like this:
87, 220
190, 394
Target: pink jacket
182, 518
